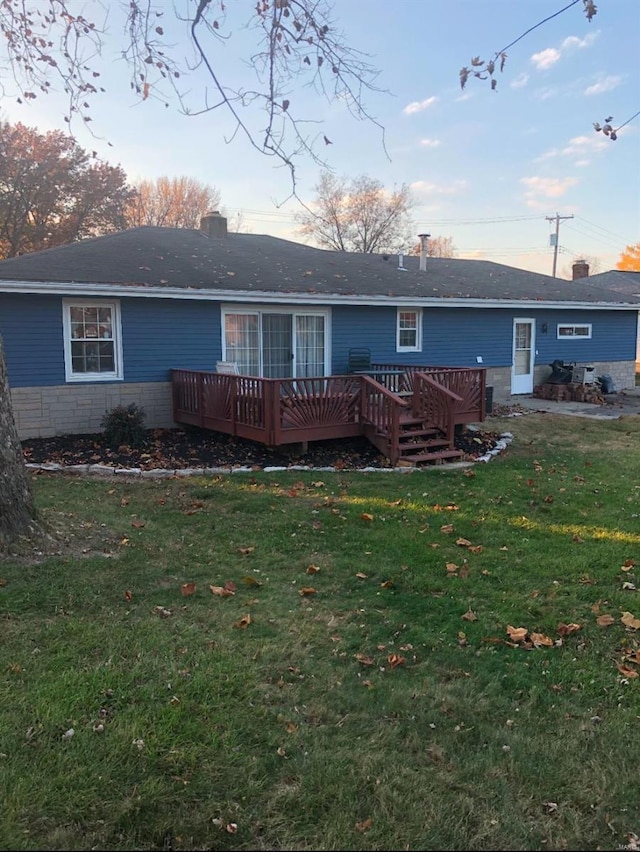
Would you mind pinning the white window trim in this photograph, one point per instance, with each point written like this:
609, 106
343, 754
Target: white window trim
257, 310
115, 375
418, 313
574, 325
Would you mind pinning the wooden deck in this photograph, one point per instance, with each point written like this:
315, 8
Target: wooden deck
413, 423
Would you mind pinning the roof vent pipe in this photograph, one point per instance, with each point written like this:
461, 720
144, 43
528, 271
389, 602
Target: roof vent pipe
423, 251
401, 262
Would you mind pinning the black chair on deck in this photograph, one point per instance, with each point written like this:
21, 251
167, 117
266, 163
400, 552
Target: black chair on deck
359, 360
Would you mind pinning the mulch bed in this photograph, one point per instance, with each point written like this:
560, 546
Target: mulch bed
179, 449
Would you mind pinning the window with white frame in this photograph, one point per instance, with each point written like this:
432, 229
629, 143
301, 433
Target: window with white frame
276, 342
409, 330
92, 341
572, 331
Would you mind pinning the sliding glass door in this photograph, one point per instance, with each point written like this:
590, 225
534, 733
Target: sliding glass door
276, 344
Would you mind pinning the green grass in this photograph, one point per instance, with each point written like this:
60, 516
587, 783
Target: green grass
389, 709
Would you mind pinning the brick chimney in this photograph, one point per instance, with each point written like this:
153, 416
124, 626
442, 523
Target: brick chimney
580, 269
214, 224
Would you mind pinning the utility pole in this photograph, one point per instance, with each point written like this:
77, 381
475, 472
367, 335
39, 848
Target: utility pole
557, 219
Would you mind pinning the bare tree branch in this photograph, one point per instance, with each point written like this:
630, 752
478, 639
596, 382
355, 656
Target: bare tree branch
298, 47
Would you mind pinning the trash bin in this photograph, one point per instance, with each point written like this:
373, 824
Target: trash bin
488, 400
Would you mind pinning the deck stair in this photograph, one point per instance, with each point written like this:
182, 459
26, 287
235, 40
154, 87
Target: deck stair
419, 443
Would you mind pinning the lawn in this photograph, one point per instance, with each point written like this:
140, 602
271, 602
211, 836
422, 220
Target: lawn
441, 659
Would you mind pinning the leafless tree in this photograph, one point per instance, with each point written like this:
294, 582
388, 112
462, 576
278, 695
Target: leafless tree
297, 46
357, 214
437, 247
178, 202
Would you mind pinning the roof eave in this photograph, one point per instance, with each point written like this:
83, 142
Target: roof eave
270, 296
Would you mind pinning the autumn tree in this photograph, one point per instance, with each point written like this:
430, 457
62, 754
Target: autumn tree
357, 214
437, 247
178, 202
52, 192
630, 259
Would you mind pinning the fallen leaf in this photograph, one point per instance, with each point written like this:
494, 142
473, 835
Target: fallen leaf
630, 620
396, 660
307, 590
364, 659
605, 620
517, 634
312, 569
128, 595
251, 581
565, 629
446, 528
451, 568
243, 622
469, 615
137, 524
387, 584
221, 592
539, 639
628, 564
245, 550
366, 516
463, 542
366, 823
361, 576
162, 611
578, 539
625, 671
188, 589
476, 548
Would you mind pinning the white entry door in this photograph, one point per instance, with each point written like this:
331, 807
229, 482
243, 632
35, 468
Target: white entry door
523, 355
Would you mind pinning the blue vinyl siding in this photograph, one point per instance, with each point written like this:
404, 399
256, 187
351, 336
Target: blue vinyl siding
456, 336
31, 329
157, 334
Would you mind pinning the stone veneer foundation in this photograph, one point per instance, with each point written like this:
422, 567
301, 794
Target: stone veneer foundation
78, 409
623, 374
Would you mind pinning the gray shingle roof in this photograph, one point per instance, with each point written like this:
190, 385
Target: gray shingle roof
183, 258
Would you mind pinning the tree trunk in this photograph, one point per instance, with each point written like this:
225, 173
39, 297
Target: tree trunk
17, 509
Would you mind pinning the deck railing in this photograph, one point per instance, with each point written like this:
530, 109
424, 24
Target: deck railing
272, 411
469, 383
285, 411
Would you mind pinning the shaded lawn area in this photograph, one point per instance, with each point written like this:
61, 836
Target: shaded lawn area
445, 659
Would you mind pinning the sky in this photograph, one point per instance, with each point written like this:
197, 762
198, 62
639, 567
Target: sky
490, 169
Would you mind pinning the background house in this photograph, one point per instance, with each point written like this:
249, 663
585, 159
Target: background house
102, 322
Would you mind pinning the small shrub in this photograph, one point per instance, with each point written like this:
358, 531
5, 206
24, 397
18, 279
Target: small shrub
124, 425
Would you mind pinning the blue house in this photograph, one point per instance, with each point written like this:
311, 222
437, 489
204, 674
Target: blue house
104, 321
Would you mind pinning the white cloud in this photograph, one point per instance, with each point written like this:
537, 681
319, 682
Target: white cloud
604, 84
574, 41
581, 147
423, 187
545, 94
546, 58
419, 106
540, 189
520, 81
431, 143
